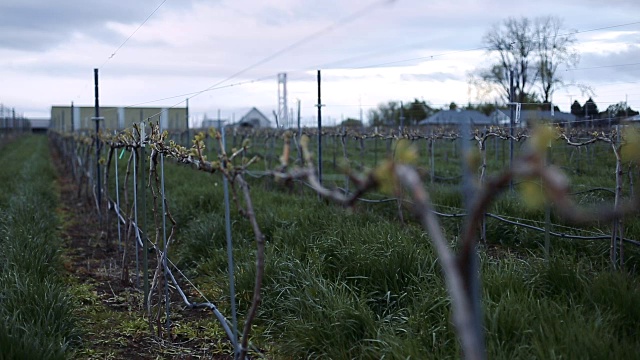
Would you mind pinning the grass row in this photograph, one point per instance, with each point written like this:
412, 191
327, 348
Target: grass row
36, 310
360, 284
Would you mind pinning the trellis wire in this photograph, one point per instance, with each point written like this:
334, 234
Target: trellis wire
165, 252
560, 235
432, 168
503, 218
208, 304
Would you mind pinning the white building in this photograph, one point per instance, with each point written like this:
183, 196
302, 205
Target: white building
254, 119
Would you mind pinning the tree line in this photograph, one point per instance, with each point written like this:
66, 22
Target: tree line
528, 54
612, 115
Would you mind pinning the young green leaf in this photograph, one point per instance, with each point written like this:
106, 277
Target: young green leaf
631, 148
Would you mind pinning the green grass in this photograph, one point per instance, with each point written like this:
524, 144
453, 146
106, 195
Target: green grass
345, 284
36, 309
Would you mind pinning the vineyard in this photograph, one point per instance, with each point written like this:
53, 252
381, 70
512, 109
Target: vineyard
431, 182
349, 243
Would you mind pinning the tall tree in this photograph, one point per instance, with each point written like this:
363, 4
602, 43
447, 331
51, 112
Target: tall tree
534, 50
389, 113
513, 42
554, 47
619, 111
385, 114
351, 122
576, 109
590, 109
417, 111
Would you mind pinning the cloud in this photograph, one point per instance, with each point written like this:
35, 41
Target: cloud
628, 4
49, 48
437, 76
619, 36
39, 25
609, 66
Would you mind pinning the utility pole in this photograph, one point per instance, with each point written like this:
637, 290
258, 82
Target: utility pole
142, 167
186, 122
299, 128
319, 105
626, 107
97, 119
299, 122
290, 124
512, 122
569, 124
283, 110
72, 117
360, 103
586, 105
299, 136
401, 116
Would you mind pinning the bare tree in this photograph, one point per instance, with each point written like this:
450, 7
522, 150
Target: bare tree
534, 50
554, 47
513, 40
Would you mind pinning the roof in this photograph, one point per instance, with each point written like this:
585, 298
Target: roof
254, 118
502, 116
633, 118
444, 117
40, 123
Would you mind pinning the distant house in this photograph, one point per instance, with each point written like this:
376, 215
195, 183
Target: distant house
500, 117
632, 119
254, 119
457, 117
40, 124
528, 117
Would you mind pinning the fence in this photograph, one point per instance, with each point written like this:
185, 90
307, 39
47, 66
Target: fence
12, 124
390, 168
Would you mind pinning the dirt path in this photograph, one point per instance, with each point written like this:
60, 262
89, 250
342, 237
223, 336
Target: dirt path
109, 304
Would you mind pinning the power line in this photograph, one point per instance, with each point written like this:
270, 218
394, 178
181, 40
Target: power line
619, 83
341, 22
106, 111
604, 66
330, 27
606, 27
133, 33
239, 83
126, 40
429, 57
209, 89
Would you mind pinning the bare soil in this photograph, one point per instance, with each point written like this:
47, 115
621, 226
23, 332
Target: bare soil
112, 318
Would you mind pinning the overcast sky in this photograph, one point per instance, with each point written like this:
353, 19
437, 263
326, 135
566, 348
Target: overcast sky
369, 52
